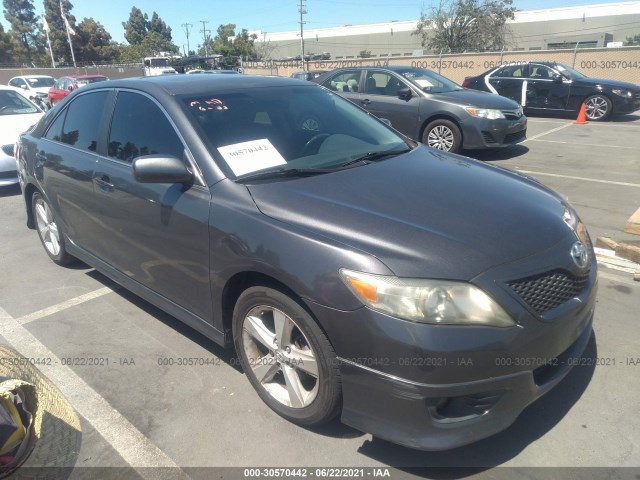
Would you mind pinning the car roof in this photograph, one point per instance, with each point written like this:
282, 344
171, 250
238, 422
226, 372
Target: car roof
80, 77
32, 76
196, 84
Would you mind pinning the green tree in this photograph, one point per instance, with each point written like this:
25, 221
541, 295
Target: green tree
22, 17
157, 25
7, 47
57, 30
243, 45
93, 43
136, 27
456, 26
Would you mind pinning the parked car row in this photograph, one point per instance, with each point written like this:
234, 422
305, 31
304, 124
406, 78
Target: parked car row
46, 91
430, 108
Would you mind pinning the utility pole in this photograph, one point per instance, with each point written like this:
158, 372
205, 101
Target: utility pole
186, 31
302, 11
205, 37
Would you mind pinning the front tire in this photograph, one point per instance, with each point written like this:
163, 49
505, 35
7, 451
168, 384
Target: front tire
443, 135
287, 357
598, 108
49, 231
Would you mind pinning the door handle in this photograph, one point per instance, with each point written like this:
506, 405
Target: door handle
366, 102
104, 183
41, 156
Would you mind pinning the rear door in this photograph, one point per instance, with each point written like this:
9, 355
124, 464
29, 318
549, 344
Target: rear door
508, 81
157, 234
380, 97
66, 158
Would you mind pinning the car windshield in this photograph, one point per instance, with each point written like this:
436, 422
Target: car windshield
429, 81
569, 72
287, 128
39, 82
12, 103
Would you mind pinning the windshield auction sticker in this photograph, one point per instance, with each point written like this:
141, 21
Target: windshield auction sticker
247, 157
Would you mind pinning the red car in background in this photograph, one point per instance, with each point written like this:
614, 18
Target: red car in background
66, 85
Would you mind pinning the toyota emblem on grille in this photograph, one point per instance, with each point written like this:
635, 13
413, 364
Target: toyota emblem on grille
579, 255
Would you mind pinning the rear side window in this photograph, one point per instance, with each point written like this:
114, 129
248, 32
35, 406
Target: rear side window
139, 127
82, 124
511, 71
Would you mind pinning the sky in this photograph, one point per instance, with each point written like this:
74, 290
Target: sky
265, 15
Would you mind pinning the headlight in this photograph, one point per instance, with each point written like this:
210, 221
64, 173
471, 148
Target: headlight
571, 218
485, 113
623, 93
427, 301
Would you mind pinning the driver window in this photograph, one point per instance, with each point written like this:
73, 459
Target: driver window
541, 72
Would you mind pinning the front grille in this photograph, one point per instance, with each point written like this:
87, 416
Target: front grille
488, 138
8, 149
549, 290
515, 137
512, 114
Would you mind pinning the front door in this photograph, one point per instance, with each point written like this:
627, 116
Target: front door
508, 82
546, 88
380, 97
157, 234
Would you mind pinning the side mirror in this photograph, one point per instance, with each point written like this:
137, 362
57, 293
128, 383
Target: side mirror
557, 79
160, 169
70, 88
405, 93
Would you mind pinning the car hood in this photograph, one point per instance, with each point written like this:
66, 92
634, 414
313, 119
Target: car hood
11, 126
476, 98
423, 214
608, 83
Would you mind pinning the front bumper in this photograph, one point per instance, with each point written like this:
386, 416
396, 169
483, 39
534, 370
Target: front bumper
627, 105
480, 133
436, 387
441, 417
8, 168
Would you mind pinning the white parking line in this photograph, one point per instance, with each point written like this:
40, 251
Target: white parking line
136, 449
585, 179
618, 279
585, 144
45, 312
548, 132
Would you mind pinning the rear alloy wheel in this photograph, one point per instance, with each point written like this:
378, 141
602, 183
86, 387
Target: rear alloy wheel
597, 107
443, 135
286, 356
49, 231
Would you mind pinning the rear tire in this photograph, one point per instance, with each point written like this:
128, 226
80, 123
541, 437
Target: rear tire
287, 357
443, 135
49, 231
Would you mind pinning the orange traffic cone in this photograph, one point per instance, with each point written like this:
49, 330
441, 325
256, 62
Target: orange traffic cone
582, 116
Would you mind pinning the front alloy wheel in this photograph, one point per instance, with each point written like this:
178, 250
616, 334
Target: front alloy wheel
443, 135
286, 356
597, 107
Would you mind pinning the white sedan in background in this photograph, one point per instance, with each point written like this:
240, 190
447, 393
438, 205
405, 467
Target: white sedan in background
17, 115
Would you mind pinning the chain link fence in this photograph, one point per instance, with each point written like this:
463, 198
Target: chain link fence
621, 63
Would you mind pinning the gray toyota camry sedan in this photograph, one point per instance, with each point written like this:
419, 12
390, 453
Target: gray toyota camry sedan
424, 297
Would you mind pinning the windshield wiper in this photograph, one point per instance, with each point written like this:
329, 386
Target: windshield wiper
373, 156
282, 173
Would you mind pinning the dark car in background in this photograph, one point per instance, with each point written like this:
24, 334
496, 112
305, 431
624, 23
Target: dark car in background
550, 87
66, 85
430, 108
426, 297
